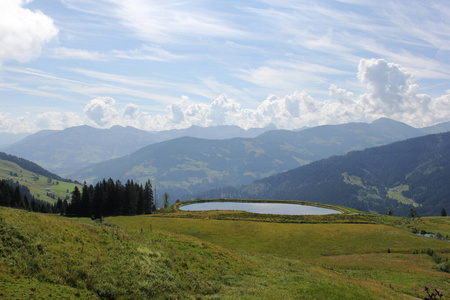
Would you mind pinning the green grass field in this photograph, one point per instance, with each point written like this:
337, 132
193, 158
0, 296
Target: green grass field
220, 255
40, 186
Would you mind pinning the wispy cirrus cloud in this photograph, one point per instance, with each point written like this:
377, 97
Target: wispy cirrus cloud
365, 28
142, 53
164, 22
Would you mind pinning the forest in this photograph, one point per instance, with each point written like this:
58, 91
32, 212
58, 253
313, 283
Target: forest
106, 198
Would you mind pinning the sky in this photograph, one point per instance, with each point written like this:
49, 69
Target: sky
159, 65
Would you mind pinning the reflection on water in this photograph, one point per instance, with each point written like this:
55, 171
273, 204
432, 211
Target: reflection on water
261, 208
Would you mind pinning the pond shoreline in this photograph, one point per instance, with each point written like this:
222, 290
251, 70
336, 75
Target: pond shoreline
273, 207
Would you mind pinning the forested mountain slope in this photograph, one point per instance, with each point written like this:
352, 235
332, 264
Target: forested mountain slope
30, 166
186, 166
409, 174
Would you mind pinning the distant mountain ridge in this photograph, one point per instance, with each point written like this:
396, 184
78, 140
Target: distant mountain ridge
64, 151
408, 174
186, 166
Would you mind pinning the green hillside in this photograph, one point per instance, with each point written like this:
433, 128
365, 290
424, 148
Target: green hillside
206, 256
41, 187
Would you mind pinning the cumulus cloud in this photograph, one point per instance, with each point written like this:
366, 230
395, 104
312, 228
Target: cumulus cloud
222, 110
101, 112
131, 111
57, 120
390, 87
19, 124
391, 93
22, 31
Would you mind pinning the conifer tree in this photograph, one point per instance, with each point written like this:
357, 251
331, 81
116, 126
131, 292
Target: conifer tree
166, 200
75, 207
149, 206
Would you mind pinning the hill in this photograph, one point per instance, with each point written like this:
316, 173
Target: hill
186, 166
42, 184
403, 175
439, 128
30, 166
7, 139
176, 256
219, 132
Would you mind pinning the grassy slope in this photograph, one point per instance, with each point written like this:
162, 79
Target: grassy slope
189, 256
36, 183
332, 261
64, 257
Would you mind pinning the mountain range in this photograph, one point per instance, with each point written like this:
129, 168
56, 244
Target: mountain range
64, 151
408, 174
186, 166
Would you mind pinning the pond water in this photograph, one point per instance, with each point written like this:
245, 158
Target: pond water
261, 208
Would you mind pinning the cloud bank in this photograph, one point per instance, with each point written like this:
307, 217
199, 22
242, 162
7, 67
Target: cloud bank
391, 93
22, 31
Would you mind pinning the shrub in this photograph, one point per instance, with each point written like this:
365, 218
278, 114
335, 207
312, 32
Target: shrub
432, 294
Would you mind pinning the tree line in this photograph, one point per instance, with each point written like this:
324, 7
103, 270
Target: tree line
106, 198
109, 198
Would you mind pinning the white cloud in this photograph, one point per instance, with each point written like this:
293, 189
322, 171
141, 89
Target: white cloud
5, 124
389, 84
171, 22
131, 111
22, 31
70, 53
101, 112
145, 52
391, 93
57, 120
223, 110
49, 120
162, 22
413, 33
17, 125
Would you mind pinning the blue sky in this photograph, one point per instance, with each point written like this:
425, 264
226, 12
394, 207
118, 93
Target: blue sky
159, 65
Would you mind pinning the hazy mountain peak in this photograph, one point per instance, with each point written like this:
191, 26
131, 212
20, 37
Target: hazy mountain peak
386, 121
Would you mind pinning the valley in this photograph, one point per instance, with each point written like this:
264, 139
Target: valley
167, 253
375, 167
215, 150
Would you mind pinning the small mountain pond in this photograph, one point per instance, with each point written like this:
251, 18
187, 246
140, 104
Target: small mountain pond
261, 208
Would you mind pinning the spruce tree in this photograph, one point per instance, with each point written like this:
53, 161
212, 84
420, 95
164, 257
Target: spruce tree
149, 206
